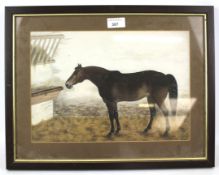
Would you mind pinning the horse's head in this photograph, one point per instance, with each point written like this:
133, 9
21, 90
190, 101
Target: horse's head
76, 77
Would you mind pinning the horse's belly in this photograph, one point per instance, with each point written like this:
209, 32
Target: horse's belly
125, 94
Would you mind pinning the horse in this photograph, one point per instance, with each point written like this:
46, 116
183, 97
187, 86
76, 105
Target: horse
114, 87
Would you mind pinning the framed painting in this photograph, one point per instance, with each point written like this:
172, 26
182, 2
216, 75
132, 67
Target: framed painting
109, 87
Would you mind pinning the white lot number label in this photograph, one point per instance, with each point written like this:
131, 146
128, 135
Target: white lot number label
116, 22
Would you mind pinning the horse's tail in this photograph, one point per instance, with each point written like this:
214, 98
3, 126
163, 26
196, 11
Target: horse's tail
173, 93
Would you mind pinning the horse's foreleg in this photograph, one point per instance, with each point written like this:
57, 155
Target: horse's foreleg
117, 122
113, 114
116, 117
111, 118
152, 109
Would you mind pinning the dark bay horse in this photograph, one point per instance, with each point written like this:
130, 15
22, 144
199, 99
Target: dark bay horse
115, 87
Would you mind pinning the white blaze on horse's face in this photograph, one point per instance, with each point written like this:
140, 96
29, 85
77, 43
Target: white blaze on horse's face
75, 78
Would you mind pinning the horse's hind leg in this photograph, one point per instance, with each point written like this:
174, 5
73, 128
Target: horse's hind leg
165, 112
159, 96
152, 109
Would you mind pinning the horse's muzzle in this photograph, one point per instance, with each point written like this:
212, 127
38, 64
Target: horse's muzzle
69, 86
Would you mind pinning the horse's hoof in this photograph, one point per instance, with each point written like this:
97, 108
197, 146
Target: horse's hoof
144, 133
146, 130
117, 132
166, 134
109, 135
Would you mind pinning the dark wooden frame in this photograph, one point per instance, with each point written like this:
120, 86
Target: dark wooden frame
10, 11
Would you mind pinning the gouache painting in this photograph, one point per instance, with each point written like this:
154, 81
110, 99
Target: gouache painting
107, 86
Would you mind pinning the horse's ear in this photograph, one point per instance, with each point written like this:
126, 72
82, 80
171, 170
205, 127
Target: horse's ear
79, 66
